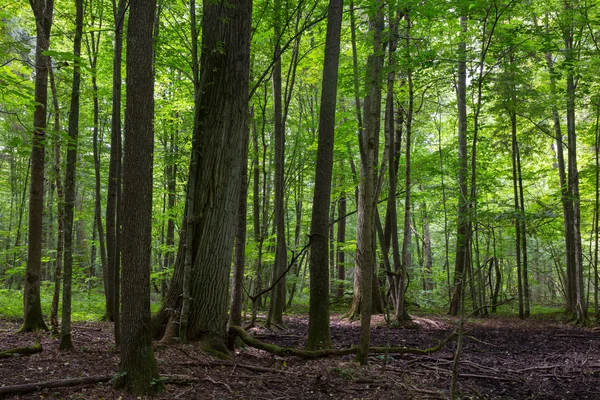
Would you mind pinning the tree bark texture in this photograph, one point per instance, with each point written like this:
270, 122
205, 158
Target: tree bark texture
463, 234
277, 304
319, 335
113, 168
65, 331
33, 319
366, 249
138, 371
223, 123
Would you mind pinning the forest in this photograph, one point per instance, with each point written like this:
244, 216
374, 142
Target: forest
390, 198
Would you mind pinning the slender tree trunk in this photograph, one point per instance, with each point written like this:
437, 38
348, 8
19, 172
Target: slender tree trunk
113, 258
518, 242
341, 254
138, 373
93, 47
60, 210
596, 206
319, 335
366, 249
462, 236
33, 318
190, 212
277, 304
239, 261
575, 275
65, 334
401, 314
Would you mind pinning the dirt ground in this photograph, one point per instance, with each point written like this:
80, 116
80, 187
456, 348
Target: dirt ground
504, 358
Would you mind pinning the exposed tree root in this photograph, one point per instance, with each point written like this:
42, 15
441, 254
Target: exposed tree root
287, 351
36, 348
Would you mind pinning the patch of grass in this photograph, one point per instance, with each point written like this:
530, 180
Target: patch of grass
87, 305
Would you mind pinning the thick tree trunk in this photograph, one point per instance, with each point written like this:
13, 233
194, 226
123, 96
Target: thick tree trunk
138, 373
319, 335
33, 319
70, 170
223, 123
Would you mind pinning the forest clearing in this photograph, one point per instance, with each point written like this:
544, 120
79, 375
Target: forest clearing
503, 358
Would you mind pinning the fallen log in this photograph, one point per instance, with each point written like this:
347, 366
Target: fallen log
33, 387
36, 348
288, 351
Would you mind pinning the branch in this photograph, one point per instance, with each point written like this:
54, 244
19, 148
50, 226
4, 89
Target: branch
36, 348
306, 354
291, 264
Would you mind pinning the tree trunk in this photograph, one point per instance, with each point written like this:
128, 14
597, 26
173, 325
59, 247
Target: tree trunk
401, 314
115, 156
60, 210
319, 335
223, 97
277, 304
33, 318
93, 47
341, 254
580, 312
462, 236
366, 249
138, 373
239, 261
65, 334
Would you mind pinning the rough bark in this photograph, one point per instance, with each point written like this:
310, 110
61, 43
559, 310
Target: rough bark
366, 249
113, 169
319, 335
33, 319
138, 372
60, 210
223, 122
70, 170
462, 236
275, 315
239, 260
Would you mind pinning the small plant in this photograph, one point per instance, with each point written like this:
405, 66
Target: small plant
343, 372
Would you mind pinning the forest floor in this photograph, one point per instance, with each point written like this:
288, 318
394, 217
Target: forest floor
503, 358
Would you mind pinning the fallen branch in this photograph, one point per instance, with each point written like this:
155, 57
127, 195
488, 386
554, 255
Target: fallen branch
33, 387
288, 351
36, 348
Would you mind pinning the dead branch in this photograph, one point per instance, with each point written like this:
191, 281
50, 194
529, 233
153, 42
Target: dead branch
287, 351
33, 387
36, 348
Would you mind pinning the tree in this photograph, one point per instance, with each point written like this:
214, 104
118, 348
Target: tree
111, 285
42, 11
138, 371
369, 145
319, 335
277, 304
214, 172
65, 334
